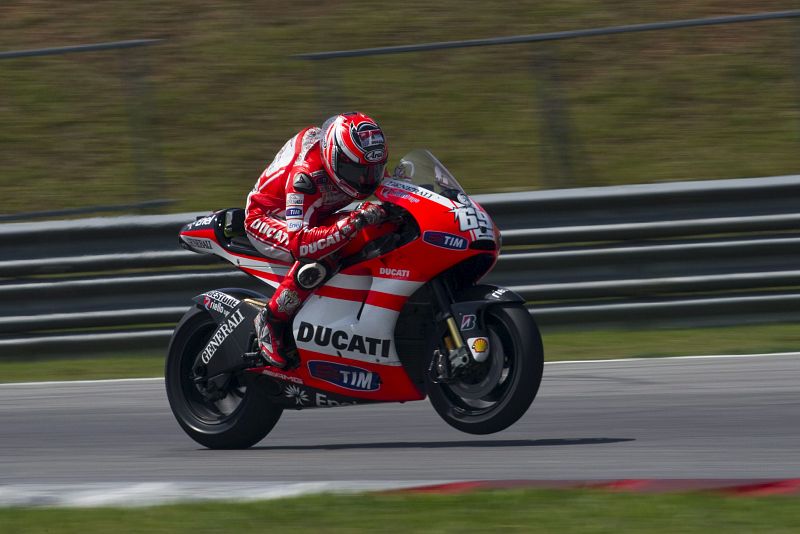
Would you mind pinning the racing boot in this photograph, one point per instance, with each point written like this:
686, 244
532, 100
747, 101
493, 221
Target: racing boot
269, 336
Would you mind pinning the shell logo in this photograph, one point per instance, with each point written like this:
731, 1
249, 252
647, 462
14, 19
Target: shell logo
480, 345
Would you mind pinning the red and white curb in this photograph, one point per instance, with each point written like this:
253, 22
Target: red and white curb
743, 487
160, 493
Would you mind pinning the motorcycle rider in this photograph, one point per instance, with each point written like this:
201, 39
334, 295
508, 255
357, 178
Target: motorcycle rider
290, 214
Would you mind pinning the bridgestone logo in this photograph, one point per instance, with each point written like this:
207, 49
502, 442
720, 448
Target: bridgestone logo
221, 335
223, 298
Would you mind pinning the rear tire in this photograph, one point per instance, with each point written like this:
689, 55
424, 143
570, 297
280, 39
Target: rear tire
239, 420
474, 406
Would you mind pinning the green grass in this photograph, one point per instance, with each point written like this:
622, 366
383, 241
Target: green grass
495, 511
559, 345
602, 344
41, 369
224, 93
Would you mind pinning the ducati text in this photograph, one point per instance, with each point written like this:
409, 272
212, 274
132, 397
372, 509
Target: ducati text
341, 340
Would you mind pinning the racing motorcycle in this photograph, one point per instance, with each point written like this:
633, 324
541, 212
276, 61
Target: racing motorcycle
402, 319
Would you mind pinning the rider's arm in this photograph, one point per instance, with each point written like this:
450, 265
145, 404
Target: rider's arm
305, 240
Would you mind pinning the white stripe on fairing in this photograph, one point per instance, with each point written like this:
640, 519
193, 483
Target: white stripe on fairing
401, 288
134, 494
350, 281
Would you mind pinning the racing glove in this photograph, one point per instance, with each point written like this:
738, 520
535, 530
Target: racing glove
367, 214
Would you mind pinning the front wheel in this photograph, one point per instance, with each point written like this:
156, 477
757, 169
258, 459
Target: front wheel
496, 393
238, 418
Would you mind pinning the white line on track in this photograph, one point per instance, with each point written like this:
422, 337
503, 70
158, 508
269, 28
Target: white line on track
563, 362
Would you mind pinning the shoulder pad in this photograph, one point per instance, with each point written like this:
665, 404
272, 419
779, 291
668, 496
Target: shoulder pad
303, 183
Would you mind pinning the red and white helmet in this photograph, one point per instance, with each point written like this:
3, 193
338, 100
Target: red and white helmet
354, 153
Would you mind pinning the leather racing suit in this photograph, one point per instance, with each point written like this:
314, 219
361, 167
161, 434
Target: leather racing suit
289, 217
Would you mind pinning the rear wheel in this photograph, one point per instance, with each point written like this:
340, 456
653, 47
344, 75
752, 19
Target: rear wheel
493, 395
239, 417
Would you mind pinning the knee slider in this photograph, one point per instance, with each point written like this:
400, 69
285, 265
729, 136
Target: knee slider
311, 275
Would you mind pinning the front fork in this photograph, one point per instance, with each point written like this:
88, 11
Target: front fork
445, 365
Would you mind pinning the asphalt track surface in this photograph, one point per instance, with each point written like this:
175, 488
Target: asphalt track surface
723, 417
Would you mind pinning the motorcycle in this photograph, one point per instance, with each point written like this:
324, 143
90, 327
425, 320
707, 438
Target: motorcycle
402, 319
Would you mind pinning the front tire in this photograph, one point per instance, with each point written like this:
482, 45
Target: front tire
500, 392
240, 419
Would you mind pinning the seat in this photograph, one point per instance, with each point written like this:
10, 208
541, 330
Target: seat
235, 236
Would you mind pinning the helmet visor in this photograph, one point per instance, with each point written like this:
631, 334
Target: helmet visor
363, 178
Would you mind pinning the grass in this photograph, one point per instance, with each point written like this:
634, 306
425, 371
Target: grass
124, 366
559, 345
507, 511
223, 93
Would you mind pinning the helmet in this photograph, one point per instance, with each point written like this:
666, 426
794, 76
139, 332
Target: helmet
354, 153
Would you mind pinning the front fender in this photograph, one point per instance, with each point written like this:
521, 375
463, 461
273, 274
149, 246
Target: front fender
469, 310
490, 294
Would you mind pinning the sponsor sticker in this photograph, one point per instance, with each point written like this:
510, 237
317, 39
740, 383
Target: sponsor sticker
202, 221
282, 376
340, 340
294, 213
198, 243
220, 302
445, 240
390, 192
222, 333
295, 199
327, 402
479, 344
397, 273
298, 394
499, 292
294, 225
375, 155
410, 188
345, 376
468, 322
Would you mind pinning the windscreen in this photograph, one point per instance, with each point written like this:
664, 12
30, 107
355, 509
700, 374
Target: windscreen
423, 169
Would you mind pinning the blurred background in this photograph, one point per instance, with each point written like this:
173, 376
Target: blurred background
195, 117
188, 118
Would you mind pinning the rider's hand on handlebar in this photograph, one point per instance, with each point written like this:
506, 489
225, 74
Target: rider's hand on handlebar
368, 213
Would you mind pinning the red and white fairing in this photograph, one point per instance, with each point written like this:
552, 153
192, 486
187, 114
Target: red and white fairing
347, 326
